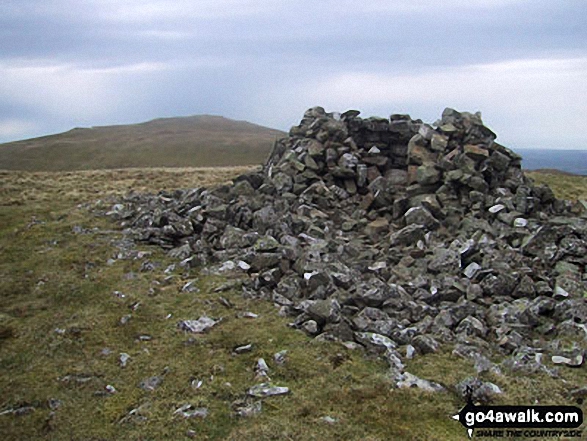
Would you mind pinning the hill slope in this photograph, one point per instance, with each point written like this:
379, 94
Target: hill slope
202, 140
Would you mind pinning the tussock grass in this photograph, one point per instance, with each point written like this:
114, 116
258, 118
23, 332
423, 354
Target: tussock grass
61, 337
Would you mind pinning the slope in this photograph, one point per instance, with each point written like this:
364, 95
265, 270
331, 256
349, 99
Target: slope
202, 140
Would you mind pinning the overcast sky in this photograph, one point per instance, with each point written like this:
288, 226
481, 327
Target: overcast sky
79, 63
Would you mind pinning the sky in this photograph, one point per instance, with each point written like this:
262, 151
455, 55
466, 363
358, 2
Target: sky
82, 63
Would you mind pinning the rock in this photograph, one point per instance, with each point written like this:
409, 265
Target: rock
377, 228
408, 380
124, 358
378, 342
444, 260
261, 370
190, 287
151, 383
496, 208
408, 235
243, 349
311, 327
266, 244
280, 357
477, 390
471, 327
476, 152
265, 390
189, 411
574, 361
197, 326
325, 311
472, 270
420, 216
428, 174
245, 409
385, 231
425, 344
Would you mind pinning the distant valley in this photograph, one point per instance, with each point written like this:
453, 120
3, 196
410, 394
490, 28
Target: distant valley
195, 141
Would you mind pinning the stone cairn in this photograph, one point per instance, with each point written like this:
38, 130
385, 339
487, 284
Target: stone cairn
394, 235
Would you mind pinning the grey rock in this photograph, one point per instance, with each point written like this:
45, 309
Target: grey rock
265, 390
280, 357
573, 361
197, 326
190, 411
420, 216
311, 327
247, 409
471, 327
477, 390
408, 380
425, 344
243, 349
488, 259
151, 383
378, 342
123, 359
471, 270
408, 235
325, 311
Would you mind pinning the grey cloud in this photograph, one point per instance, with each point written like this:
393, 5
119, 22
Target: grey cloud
250, 58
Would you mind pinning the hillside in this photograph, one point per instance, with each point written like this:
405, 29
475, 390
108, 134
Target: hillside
201, 141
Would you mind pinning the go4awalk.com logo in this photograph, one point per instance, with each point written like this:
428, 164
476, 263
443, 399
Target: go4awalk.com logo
521, 421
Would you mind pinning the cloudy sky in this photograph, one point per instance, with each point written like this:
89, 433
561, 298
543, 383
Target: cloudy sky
79, 63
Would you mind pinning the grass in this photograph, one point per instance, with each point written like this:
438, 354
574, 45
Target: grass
197, 141
61, 337
564, 185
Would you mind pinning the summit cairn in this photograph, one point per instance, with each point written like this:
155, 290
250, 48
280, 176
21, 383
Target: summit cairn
395, 235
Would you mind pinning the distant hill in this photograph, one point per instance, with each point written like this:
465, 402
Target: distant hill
194, 141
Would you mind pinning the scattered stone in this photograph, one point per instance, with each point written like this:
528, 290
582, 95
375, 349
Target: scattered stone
575, 361
247, 409
387, 232
197, 326
262, 370
264, 390
477, 390
190, 287
243, 349
408, 380
151, 383
138, 414
280, 357
189, 411
311, 327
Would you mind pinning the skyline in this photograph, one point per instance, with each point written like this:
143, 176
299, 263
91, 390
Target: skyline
522, 63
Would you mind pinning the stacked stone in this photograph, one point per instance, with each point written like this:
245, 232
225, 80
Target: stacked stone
391, 233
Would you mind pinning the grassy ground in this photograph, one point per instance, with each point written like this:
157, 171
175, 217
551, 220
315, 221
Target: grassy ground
564, 185
63, 272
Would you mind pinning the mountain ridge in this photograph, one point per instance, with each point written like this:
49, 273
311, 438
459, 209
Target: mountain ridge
196, 140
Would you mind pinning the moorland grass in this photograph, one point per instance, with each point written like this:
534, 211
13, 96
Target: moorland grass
61, 337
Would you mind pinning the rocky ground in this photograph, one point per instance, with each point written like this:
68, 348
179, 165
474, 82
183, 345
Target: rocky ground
396, 236
370, 279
